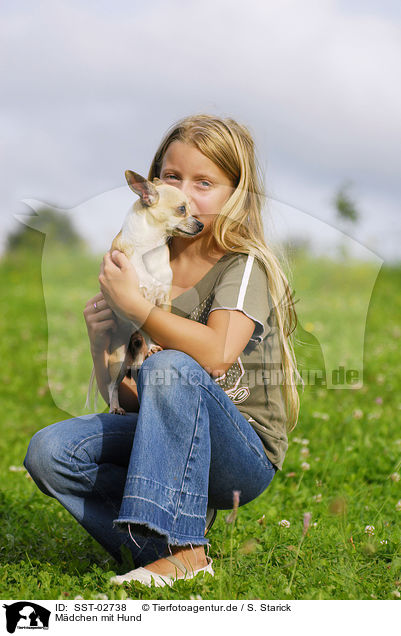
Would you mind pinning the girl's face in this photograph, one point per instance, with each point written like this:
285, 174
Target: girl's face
204, 183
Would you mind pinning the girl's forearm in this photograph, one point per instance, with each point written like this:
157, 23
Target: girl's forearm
174, 332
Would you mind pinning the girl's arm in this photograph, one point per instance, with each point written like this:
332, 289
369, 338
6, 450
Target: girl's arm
100, 322
216, 345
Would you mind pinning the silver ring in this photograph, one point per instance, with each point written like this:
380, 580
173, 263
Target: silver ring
94, 305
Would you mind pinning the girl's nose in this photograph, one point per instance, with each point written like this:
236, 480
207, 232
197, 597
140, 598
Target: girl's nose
186, 188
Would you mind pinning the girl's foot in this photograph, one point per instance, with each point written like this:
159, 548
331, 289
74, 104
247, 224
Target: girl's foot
193, 559
185, 563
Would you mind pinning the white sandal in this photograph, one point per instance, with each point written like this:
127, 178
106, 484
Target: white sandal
160, 580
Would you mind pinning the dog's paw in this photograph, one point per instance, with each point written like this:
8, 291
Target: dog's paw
153, 349
117, 411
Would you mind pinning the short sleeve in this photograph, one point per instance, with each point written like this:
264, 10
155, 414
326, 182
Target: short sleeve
243, 286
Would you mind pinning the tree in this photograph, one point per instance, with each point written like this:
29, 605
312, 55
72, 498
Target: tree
345, 205
56, 226
347, 213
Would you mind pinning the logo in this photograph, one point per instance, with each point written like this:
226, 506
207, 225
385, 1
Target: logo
239, 395
26, 615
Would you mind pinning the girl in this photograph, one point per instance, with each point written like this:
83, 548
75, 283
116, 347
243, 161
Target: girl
209, 415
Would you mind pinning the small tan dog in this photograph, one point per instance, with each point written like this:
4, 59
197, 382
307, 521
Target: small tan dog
160, 212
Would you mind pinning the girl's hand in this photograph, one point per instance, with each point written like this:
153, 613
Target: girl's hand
100, 322
119, 283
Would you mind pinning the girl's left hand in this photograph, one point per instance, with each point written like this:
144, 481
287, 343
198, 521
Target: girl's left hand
119, 283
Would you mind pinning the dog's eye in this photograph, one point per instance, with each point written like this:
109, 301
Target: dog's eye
182, 209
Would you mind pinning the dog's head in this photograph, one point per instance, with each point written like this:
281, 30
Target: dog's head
164, 205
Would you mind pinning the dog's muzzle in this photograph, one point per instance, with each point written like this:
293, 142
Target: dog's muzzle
190, 226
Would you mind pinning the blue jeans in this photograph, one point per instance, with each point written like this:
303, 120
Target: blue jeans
153, 473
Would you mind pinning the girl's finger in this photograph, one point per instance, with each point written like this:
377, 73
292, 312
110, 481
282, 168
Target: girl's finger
105, 325
103, 314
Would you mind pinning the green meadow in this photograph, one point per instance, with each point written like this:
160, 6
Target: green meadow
342, 466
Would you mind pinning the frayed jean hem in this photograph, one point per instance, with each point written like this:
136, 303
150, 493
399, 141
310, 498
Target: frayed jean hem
141, 529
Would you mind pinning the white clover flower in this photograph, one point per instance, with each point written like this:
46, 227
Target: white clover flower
304, 442
321, 416
16, 469
370, 530
102, 597
314, 524
357, 414
318, 497
78, 598
297, 440
284, 523
305, 452
384, 542
396, 593
398, 505
305, 466
395, 477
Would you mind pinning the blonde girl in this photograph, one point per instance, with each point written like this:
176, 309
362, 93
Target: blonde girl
207, 421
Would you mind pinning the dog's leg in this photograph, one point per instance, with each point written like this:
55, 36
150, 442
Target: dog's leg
164, 303
120, 360
119, 363
138, 350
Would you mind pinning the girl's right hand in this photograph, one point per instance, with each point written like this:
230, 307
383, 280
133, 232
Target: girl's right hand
100, 321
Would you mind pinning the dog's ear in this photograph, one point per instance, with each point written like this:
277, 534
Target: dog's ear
142, 187
157, 181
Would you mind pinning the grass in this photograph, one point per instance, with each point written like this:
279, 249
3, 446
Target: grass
350, 438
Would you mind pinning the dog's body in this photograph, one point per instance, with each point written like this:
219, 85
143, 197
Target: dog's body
161, 211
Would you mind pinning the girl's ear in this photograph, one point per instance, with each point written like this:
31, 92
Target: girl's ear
142, 187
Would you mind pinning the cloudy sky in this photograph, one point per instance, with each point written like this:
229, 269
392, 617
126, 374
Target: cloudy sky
89, 87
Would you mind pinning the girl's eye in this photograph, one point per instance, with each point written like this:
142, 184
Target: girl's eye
169, 177
205, 184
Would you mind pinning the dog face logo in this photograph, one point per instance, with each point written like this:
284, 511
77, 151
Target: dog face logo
331, 344
26, 615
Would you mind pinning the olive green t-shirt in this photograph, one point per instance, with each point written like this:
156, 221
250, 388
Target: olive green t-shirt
253, 382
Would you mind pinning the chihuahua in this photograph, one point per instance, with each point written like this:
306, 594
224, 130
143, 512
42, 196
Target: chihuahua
160, 212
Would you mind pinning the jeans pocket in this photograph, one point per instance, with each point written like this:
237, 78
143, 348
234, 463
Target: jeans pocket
263, 457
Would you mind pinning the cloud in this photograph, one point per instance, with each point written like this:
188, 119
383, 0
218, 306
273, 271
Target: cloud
89, 90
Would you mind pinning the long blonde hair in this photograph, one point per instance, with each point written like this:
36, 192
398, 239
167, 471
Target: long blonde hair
239, 227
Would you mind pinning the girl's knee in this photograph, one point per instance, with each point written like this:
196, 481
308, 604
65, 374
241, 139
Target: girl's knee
45, 450
166, 359
38, 456
170, 366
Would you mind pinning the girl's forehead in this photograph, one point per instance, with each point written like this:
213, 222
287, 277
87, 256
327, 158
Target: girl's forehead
184, 156
180, 151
